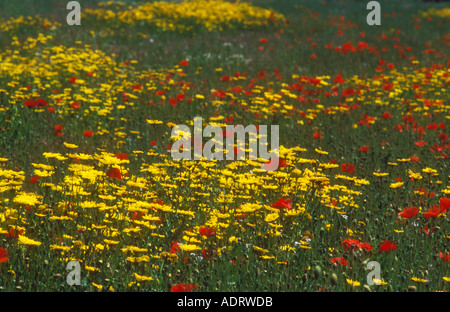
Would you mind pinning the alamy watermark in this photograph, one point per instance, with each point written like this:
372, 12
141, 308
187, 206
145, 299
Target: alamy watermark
74, 276
223, 142
374, 277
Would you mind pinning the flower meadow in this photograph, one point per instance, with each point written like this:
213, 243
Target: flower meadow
86, 172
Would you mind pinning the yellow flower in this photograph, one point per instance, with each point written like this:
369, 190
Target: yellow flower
58, 247
380, 174
396, 185
69, 145
353, 283
92, 269
189, 247
321, 152
271, 217
414, 175
27, 199
110, 242
154, 122
429, 170
232, 239
420, 280
141, 278
27, 241
260, 249
379, 282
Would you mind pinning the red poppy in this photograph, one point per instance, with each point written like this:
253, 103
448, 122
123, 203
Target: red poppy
427, 229
3, 255
175, 247
184, 63
348, 168
207, 253
365, 246
364, 149
387, 245
137, 215
13, 233
340, 260
153, 143
444, 256
73, 79
88, 133
421, 143
75, 105
173, 101
33, 179
338, 79
207, 231
317, 135
114, 173
350, 243
183, 288
387, 115
58, 130
41, 102
432, 213
282, 203
122, 156
30, 103
409, 212
444, 204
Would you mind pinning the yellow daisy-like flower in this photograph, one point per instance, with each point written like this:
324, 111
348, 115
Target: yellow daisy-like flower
28, 241
321, 152
69, 145
396, 185
189, 247
353, 283
420, 280
260, 249
154, 122
429, 170
92, 269
141, 278
379, 282
27, 199
271, 217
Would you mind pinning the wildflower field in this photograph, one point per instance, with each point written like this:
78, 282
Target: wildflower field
87, 175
